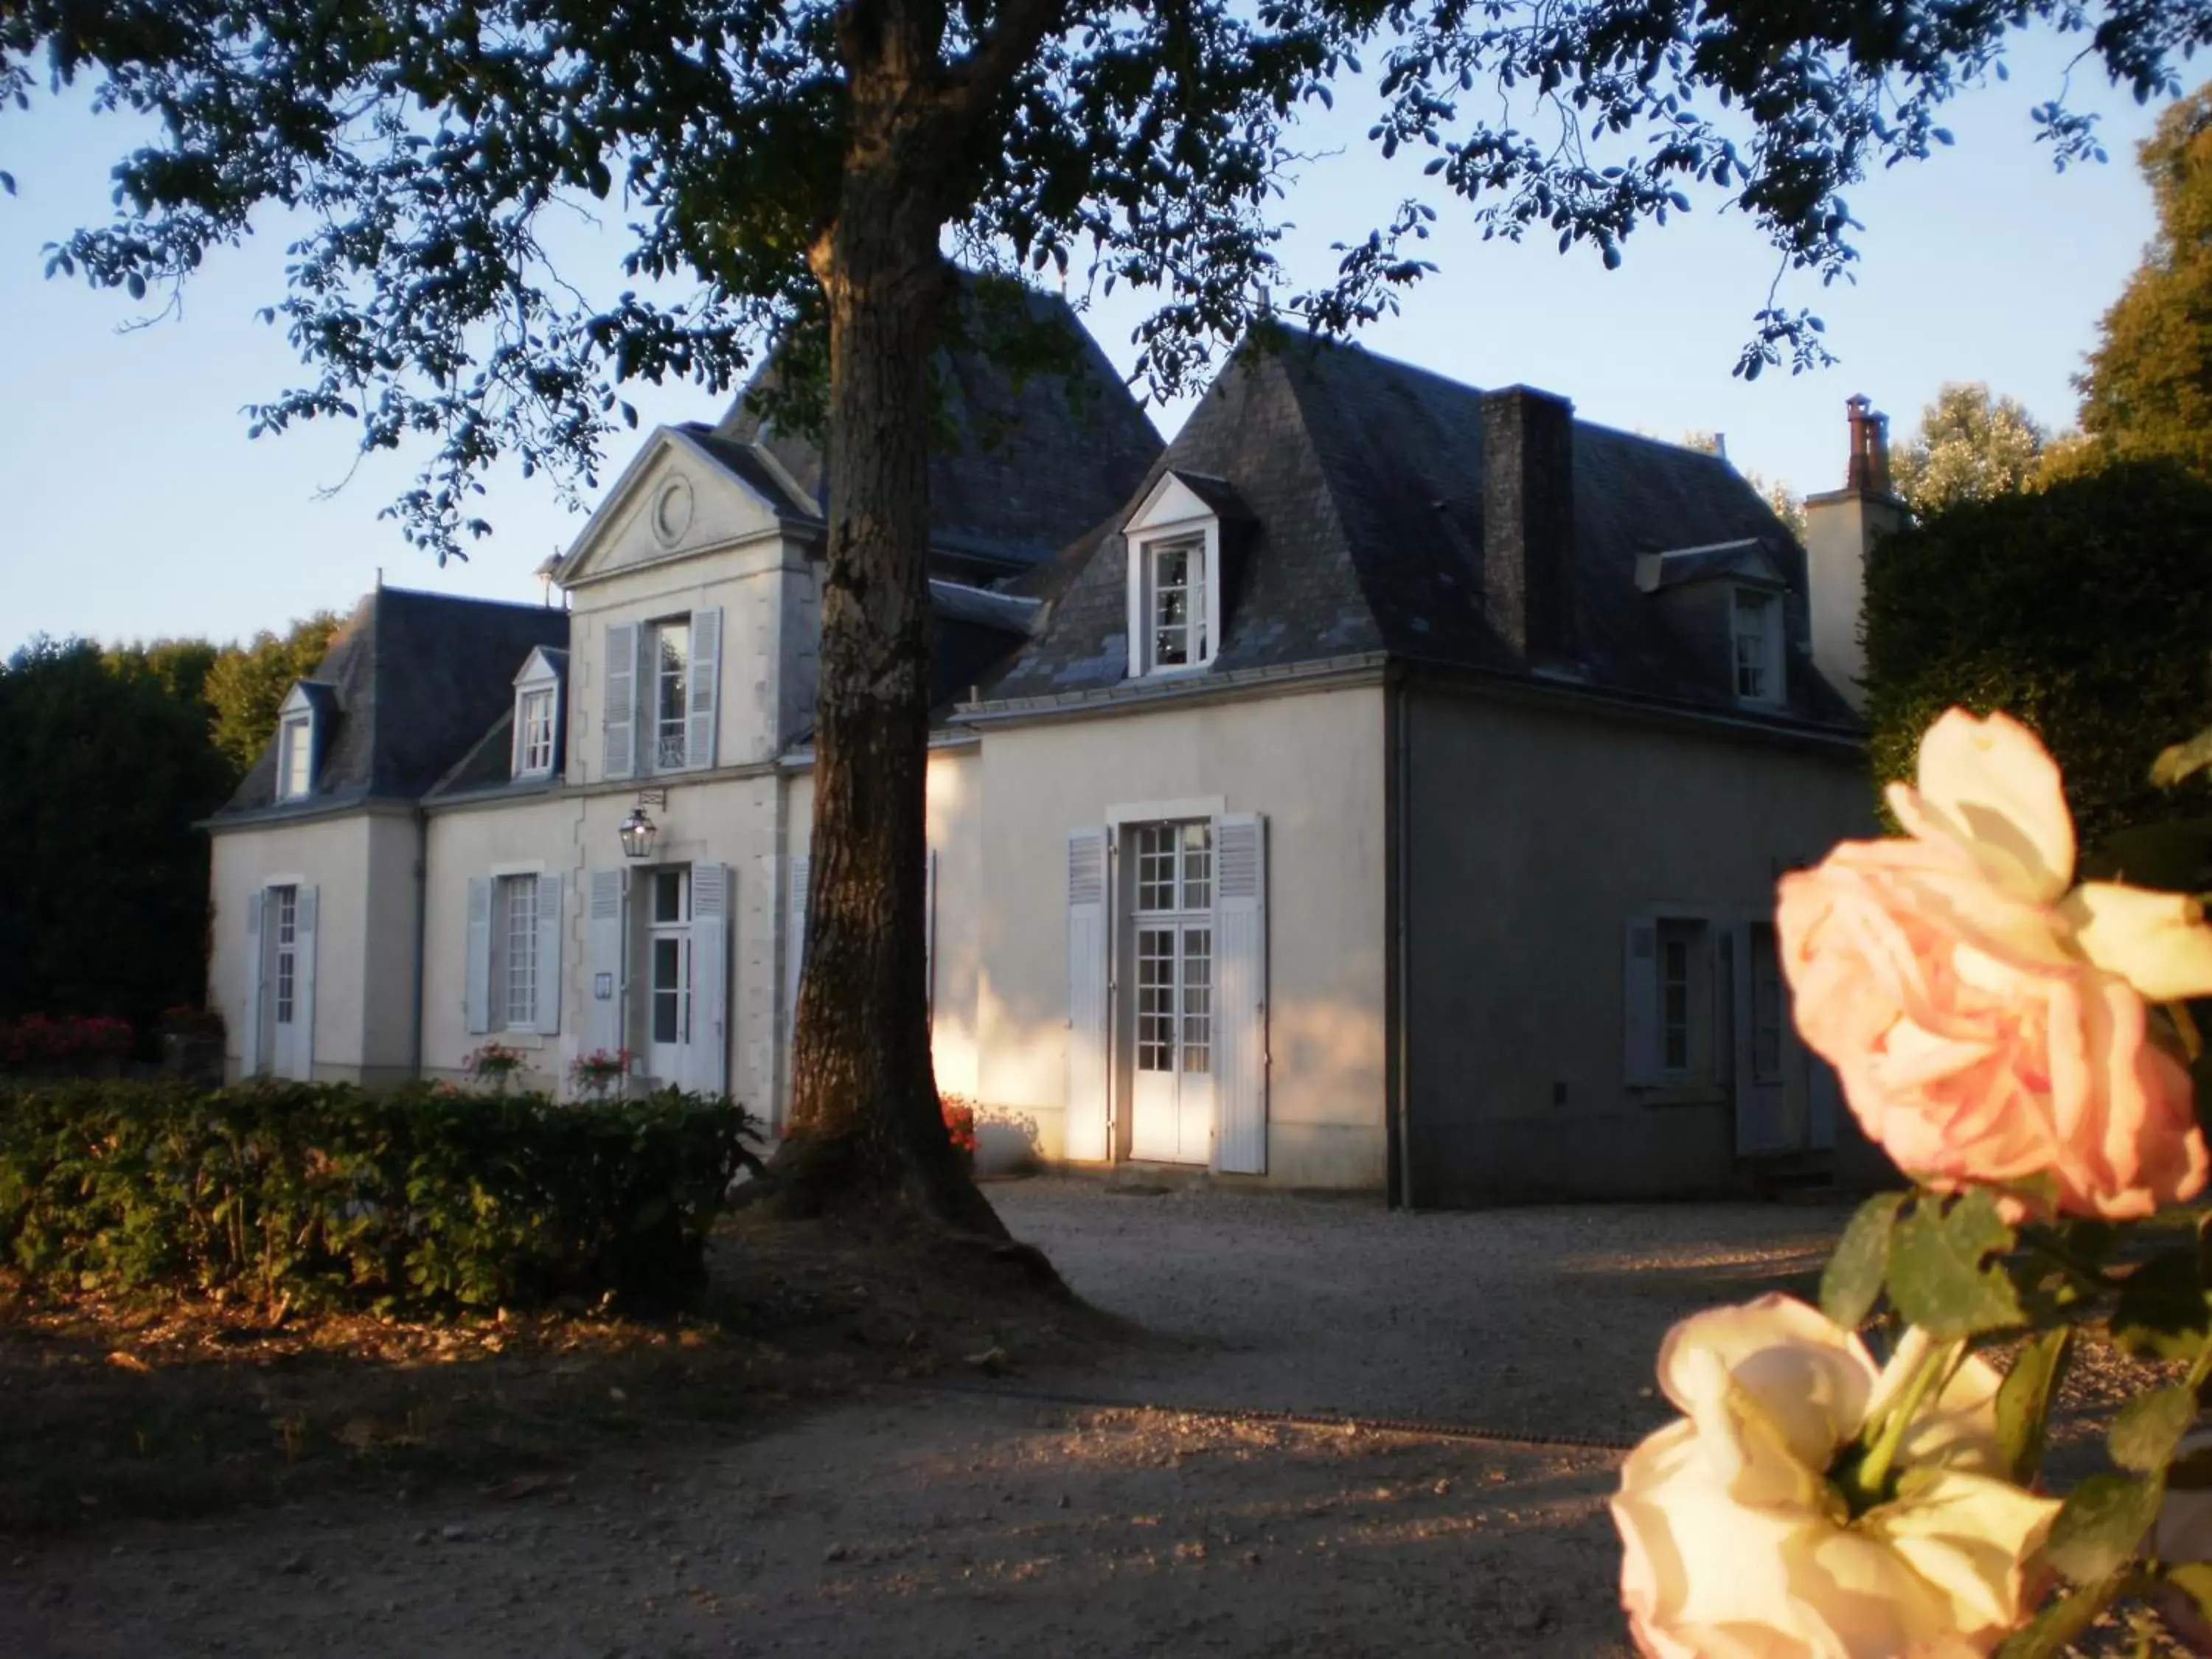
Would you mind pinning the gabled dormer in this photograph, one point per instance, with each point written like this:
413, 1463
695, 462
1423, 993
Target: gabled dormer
1175, 574
1729, 594
304, 721
540, 696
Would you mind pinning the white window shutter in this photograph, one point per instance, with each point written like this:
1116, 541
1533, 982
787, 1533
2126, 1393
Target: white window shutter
1089, 1116
249, 1050
929, 933
476, 989
547, 1021
794, 938
706, 1069
304, 920
603, 963
706, 688
1240, 997
1640, 1001
620, 712
1140, 645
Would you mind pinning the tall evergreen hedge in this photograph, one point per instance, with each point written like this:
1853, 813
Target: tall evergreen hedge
2084, 610
419, 1199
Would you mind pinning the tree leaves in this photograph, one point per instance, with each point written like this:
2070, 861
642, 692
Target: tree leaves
1943, 1275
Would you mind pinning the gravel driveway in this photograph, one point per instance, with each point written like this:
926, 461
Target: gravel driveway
912, 1524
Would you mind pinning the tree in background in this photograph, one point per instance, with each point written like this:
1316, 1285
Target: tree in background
1970, 446
2148, 393
104, 770
2084, 610
181, 665
247, 684
805, 165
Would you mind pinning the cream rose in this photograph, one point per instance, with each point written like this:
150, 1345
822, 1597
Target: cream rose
1738, 1546
1989, 1025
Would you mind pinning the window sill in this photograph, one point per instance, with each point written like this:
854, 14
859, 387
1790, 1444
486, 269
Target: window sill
531, 1039
1678, 1094
1180, 671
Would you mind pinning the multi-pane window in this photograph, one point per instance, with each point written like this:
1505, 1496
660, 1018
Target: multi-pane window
1175, 998
1674, 1003
670, 962
670, 694
536, 753
295, 758
1175, 867
1198, 1000
1758, 672
518, 930
1175, 601
287, 955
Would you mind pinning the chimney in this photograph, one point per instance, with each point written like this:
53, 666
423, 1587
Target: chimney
1528, 521
1840, 529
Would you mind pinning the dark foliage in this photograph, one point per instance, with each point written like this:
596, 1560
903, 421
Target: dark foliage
2084, 610
104, 770
319, 1195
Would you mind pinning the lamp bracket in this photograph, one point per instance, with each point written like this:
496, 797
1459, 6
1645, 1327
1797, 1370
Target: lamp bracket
653, 797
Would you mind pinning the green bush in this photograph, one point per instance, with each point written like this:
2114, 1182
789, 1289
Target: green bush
422, 1199
2084, 610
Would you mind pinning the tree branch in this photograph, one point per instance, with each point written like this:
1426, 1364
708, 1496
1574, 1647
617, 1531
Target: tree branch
972, 81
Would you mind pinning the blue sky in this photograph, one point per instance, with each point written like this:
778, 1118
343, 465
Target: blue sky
136, 506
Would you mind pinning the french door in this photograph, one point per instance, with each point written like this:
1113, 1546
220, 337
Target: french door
668, 976
1171, 1082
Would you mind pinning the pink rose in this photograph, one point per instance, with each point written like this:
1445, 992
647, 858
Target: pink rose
1988, 1025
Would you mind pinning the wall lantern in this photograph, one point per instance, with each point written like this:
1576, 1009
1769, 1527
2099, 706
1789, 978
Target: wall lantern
638, 830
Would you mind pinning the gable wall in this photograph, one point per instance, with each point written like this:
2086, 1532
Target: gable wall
1536, 833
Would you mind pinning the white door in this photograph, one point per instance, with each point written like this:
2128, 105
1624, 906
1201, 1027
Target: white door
287, 1017
668, 977
1171, 935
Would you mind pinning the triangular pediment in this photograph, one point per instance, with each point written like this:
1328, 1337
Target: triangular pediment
1172, 500
676, 499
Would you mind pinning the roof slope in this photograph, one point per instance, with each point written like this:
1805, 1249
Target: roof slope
1363, 477
417, 677
1032, 467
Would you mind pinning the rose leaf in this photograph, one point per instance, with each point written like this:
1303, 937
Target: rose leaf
2024, 1401
2101, 1522
1943, 1276
1852, 1279
2048, 1633
2148, 1427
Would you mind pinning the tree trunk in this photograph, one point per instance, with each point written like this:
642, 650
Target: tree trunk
867, 1135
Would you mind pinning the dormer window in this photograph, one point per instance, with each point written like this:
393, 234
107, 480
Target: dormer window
1758, 644
1175, 573
538, 712
298, 737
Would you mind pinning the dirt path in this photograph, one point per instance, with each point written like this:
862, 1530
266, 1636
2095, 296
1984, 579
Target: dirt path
920, 1524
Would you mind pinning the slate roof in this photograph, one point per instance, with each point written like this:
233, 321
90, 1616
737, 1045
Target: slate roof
1006, 497
1364, 480
415, 678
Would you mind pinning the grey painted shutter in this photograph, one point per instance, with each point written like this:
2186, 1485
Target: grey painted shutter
1640, 1001
603, 963
1754, 1127
249, 1052
1240, 997
706, 687
707, 1057
620, 712
476, 988
549, 956
794, 938
1088, 1100
929, 933
304, 920
1823, 1099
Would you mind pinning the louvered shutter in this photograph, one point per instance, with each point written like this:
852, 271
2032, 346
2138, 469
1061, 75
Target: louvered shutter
1240, 996
304, 922
929, 933
476, 990
1089, 1113
1755, 1126
706, 688
794, 938
619, 715
603, 962
250, 1058
1823, 1102
548, 1020
1640, 1001
707, 1057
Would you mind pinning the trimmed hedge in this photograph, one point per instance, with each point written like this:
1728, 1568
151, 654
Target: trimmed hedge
424, 1199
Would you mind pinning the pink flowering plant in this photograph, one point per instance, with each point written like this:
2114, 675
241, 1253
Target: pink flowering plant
494, 1065
1862, 1479
595, 1074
